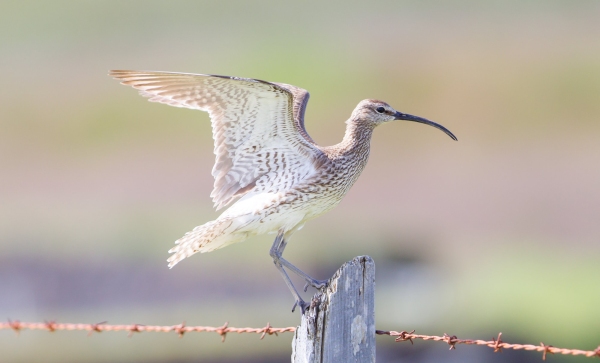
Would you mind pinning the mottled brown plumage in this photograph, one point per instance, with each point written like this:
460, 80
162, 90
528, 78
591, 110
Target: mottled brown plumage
265, 157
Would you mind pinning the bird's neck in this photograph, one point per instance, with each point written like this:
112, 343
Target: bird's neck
357, 138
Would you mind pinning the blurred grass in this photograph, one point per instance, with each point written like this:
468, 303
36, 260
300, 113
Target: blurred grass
526, 284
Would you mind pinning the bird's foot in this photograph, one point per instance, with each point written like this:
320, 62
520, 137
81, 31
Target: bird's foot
317, 284
302, 304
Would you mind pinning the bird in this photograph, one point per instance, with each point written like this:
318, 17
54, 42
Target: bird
266, 163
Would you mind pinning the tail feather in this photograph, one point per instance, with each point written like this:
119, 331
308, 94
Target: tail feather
205, 238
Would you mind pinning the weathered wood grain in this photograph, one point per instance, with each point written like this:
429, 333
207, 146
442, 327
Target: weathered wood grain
340, 324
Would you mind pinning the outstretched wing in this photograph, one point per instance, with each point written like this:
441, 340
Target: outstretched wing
258, 126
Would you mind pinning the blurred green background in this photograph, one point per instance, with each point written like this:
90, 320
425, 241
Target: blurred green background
496, 232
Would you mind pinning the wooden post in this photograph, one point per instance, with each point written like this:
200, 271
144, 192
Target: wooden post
339, 326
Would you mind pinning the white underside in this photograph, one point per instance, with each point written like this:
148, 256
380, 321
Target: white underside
254, 214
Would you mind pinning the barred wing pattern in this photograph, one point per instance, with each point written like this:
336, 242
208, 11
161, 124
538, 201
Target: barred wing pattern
258, 127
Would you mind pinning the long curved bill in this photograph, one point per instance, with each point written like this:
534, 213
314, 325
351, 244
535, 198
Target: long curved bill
407, 117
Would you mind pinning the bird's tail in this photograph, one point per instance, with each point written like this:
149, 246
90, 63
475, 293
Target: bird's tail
205, 238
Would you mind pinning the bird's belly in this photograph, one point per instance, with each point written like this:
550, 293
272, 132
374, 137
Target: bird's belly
270, 212
265, 212
286, 220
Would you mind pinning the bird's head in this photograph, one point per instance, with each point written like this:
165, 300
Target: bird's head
374, 113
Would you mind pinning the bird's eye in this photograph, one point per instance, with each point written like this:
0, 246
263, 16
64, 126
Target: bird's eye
380, 109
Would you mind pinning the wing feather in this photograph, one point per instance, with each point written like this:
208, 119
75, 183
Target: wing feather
258, 126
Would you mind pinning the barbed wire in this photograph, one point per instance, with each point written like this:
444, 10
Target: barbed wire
180, 329
496, 343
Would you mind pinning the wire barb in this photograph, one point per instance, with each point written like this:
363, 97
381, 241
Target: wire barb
267, 330
497, 343
96, 328
451, 340
546, 350
15, 325
180, 329
222, 331
51, 325
135, 328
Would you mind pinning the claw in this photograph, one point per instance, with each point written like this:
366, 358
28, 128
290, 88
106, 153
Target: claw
303, 305
317, 284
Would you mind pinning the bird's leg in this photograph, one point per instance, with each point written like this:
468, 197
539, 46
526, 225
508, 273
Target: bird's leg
276, 255
277, 252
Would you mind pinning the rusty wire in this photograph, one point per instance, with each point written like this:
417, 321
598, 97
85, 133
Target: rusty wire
496, 343
180, 329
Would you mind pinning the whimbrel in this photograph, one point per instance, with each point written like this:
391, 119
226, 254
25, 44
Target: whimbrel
265, 157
